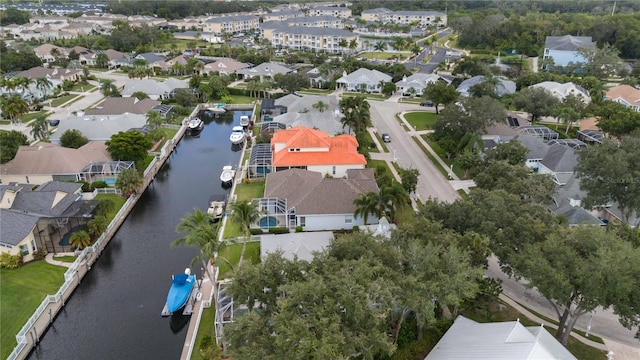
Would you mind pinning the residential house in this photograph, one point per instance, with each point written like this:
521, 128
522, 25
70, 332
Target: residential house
316, 78
85, 56
180, 59
418, 82
51, 162
314, 202
364, 80
113, 55
155, 89
536, 149
567, 203
314, 150
99, 127
337, 11
503, 87
225, 66
113, 106
49, 53
152, 59
561, 91
403, 17
40, 218
624, 94
54, 74
509, 340
282, 15
562, 50
263, 71
232, 24
309, 38
79, 29
300, 246
198, 35
300, 112
559, 162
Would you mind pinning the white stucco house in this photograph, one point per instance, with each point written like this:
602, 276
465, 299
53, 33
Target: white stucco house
418, 82
364, 80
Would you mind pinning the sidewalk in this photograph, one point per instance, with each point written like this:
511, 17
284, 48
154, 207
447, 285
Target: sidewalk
51, 260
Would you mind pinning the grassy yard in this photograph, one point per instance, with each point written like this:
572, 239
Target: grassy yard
421, 120
384, 55
316, 91
382, 143
63, 99
142, 165
65, 258
372, 148
23, 290
240, 99
441, 153
30, 116
118, 201
83, 87
367, 96
231, 230
5, 122
373, 164
246, 192
232, 254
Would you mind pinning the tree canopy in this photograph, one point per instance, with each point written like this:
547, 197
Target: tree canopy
616, 119
536, 101
128, 146
440, 93
291, 82
10, 141
73, 138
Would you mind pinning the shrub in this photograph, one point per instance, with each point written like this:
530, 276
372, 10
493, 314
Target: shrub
85, 186
99, 185
278, 230
298, 228
40, 254
8, 261
355, 228
206, 341
256, 231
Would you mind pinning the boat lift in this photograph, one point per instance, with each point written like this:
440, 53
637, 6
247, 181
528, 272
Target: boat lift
187, 309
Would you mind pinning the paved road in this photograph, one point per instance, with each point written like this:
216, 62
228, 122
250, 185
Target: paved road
604, 322
431, 183
435, 60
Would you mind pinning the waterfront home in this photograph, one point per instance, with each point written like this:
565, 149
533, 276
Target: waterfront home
155, 89
114, 106
35, 218
225, 66
99, 127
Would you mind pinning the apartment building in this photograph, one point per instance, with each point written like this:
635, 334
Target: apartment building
322, 21
337, 11
310, 38
423, 18
283, 15
232, 24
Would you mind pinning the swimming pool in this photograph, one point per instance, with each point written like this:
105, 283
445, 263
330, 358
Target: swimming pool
111, 181
65, 239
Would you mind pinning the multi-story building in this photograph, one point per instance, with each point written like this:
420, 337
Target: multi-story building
283, 15
232, 24
310, 38
324, 21
337, 11
422, 18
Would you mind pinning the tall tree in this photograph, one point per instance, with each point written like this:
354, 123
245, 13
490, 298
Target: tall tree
154, 119
128, 146
291, 82
536, 101
516, 179
245, 214
367, 204
73, 138
13, 106
356, 113
43, 84
610, 173
201, 233
40, 128
440, 93
409, 178
80, 239
513, 152
321, 106
102, 60
616, 119
602, 62
10, 141
97, 226
580, 269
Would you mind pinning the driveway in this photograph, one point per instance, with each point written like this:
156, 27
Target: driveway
431, 183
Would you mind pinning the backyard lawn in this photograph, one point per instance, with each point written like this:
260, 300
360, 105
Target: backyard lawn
421, 120
83, 87
367, 96
247, 192
117, 200
23, 290
232, 254
240, 99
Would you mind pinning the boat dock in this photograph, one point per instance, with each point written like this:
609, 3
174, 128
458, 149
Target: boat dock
195, 296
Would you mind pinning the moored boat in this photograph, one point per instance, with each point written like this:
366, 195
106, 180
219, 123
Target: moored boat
237, 135
227, 175
195, 126
216, 208
244, 121
181, 287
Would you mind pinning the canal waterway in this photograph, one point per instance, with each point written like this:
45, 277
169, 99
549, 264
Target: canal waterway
115, 312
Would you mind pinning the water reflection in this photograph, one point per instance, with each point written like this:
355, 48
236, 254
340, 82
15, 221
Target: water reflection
178, 322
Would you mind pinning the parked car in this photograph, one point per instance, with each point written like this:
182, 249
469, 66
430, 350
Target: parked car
428, 103
54, 122
386, 138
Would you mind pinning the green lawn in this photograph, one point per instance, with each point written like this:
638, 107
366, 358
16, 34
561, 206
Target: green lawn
142, 165
240, 99
442, 154
118, 201
370, 140
381, 55
22, 291
231, 230
206, 327
247, 192
421, 120
83, 87
65, 258
5, 122
367, 96
30, 116
316, 91
232, 254
373, 164
63, 99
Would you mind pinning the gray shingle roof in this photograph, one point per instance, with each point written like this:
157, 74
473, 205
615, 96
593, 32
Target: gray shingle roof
310, 193
15, 226
365, 76
327, 121
99, 127
567, 42
560, 158
502, 88
537, 149
265, 69
121, 105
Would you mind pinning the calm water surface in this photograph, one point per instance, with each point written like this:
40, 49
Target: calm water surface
115, 312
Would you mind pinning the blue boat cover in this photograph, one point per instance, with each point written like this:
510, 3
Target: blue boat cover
181, 287
180, 278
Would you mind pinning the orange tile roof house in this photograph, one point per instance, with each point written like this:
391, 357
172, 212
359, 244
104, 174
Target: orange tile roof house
314, 150
626, 95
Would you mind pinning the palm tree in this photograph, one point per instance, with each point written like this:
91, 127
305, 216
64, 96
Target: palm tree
201, 233
129, 180
343, 43
105, 86
97, 226
253, 88
356, 114
393, 198
380, 46
24, 82
320, 106
102, 60
13, 106
367, 204
43, 83
105, 206
80, 239
154, 119
245, 214
353, 45
40, 128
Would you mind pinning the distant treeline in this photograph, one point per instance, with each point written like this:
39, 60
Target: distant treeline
178, 9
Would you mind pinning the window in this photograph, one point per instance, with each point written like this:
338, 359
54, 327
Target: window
348, 219
33, 245
334, 170
303, 221
24, 249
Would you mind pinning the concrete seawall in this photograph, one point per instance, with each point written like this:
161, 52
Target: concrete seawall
37, 325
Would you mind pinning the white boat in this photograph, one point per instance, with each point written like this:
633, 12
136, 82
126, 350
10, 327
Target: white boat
244, 121
237, 135
194, 126
217, 110
216, 208
227, 175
